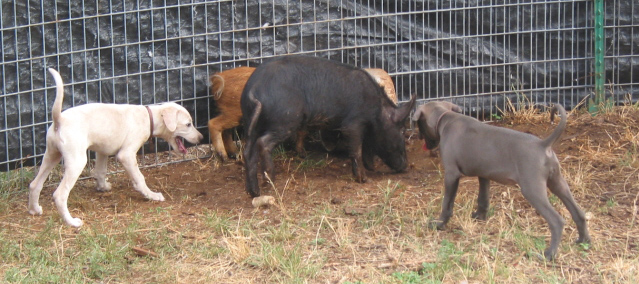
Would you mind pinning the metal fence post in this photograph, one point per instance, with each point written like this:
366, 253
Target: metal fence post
599, 101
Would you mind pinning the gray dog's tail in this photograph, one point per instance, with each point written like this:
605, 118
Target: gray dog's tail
59, 96
554, 136
256, 113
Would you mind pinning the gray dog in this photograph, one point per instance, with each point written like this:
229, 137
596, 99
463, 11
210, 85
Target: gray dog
471, 148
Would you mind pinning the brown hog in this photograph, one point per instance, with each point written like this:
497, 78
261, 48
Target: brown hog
226, 89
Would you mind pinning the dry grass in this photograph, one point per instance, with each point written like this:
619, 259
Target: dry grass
376, 233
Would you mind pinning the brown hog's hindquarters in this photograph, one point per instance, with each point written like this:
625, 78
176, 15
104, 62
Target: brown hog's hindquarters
226, 89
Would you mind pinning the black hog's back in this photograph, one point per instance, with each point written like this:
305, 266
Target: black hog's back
312, 92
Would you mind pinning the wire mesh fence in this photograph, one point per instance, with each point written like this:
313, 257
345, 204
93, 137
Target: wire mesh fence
475, 53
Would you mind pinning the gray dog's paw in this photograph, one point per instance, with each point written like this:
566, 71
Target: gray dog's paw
549, 255
583, 240
437, 224
536, 255
479, 215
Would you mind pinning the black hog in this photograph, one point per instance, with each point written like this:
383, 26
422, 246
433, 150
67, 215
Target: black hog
300, 93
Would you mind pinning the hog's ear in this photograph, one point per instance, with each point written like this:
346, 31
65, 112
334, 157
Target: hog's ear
169, 116
402, 112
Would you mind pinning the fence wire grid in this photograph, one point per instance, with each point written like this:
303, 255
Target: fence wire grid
475, 53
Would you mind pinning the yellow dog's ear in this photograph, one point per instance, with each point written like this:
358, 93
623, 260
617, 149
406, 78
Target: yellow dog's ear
169, 116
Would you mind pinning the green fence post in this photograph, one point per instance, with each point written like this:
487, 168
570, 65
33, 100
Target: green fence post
599, 102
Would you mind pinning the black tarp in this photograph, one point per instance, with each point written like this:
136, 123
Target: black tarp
143, 52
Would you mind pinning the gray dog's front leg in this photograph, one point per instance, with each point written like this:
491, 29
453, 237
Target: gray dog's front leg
451, 183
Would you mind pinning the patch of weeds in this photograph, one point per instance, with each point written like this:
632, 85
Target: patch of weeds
281, 233
238, 244
448, 259
12, 184
631, 157
10, 250
388, 191
133, 224
523, 110
325, 210
584, 248
100, 255
490, 212
380, 214
160, 210
372, 218
600, 105
209, 249
431, 272
610, 204
162, 242
318, 242
38, 259
311, 163
411, 277
279, 153
544, 276
218, 223
525, 242
14, 275
289, 262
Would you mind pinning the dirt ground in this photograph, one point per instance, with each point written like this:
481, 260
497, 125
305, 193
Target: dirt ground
599, 156
211, 184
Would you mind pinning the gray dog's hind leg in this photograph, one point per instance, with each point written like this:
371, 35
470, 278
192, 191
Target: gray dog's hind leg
535, 193
559, 187
483, 199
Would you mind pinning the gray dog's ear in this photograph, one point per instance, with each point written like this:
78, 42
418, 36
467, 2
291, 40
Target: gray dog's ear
418, 114
456, 109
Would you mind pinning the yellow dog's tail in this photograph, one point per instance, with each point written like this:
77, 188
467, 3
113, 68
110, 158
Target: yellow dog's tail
59, 96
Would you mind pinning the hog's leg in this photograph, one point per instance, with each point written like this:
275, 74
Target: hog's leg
353, 135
